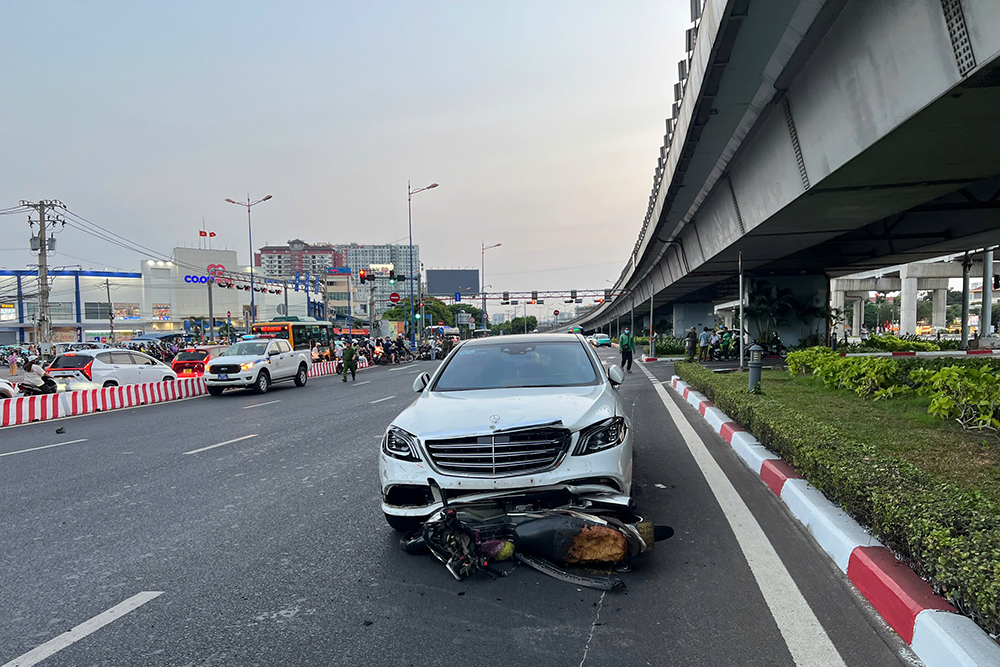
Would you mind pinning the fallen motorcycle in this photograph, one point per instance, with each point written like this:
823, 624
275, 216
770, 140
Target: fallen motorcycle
551, 530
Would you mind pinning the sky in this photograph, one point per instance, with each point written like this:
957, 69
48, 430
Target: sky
540, 119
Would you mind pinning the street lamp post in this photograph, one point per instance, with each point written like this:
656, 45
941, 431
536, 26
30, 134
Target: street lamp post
409, 211
250, 204
483, 273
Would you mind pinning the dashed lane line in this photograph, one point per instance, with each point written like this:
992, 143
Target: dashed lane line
380, 400
257, 405
227, 442
35, 449
358, 384
70, 637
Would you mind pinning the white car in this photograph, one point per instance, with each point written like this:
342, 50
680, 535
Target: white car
7, 390
256, 364
506, 414
108, 368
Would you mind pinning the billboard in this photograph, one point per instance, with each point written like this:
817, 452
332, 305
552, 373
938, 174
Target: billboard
448, 282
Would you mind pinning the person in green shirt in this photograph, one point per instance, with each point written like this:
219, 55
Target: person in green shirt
626, 344
727, 341
350, 361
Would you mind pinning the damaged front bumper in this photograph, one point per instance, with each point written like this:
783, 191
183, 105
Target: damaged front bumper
406, 492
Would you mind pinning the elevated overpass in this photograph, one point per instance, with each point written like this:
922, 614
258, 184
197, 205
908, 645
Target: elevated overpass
819, 138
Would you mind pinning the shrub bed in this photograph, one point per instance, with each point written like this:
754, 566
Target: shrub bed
949, 534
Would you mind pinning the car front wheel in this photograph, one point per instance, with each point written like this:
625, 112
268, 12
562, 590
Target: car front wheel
263, 383
301, 377
216, 391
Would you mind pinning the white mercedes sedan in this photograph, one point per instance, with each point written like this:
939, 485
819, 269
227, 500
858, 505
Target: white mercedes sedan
507, 414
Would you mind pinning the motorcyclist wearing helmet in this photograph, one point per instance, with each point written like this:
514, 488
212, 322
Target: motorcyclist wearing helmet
35, 374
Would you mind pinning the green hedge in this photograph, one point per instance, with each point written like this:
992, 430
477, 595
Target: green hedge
949, 535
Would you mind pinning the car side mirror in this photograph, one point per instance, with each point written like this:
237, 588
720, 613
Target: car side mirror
274, 353
421, 382
616, 375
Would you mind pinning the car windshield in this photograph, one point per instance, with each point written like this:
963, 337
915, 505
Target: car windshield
247, 348
513, 365
191, 355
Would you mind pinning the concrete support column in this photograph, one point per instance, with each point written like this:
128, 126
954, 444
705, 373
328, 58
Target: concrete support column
939, 312
727, 319
986, 313
859, 317
908, 302
837, 304
698, 315
966, 267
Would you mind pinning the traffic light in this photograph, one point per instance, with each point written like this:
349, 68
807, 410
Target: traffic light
534, 297
607, 294
506, 297
392, 276
362, 275
401, 277
996, 281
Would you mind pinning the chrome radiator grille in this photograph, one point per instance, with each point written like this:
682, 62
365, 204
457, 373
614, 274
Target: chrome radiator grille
501, 455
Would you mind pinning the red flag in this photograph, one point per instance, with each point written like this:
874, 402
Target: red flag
202, 233
211, 233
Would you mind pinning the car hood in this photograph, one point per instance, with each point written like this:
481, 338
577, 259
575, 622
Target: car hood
237, 359
481, 412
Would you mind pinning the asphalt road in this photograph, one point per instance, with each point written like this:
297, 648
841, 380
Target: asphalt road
272, 549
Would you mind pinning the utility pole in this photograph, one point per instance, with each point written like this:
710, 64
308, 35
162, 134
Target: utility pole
111, 311
211, 312
371, 309
44, 336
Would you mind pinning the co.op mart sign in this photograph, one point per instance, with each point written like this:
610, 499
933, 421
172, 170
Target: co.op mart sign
214, 270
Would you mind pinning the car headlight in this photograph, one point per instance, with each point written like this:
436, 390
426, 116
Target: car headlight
602, 435
399, 444
250, 364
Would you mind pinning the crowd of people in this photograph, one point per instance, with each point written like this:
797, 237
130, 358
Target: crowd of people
718, 342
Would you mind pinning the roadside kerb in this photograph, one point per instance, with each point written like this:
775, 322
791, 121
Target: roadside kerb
28, 409
926, 621
937, 353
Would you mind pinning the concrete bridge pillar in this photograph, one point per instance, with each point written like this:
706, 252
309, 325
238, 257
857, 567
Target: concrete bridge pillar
859, 317
908, 302
697, 315
837, 304
939, 311
727, 318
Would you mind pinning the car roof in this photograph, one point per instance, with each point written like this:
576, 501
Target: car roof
522, 338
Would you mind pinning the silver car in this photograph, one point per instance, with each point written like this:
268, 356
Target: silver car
506, 414
108, 368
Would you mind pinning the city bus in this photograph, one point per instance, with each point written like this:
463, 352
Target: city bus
301, 332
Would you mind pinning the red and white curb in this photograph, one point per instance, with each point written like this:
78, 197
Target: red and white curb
939, 353
27, 409
926, 621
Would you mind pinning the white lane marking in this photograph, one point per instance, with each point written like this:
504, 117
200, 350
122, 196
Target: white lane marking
35, 449
358, 384
56, 644
227, 442
393, 370
416, 371
257, 405
804, 635
380, 400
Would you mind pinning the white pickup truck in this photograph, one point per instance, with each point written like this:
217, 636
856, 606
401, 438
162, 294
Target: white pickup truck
256, 364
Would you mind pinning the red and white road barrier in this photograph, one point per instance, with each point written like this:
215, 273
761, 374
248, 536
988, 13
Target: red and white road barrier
322, 368
28, 409
25, 410
926, 621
